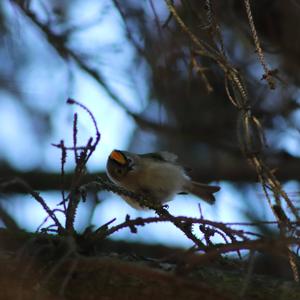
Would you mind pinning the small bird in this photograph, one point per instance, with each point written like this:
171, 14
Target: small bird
156, 175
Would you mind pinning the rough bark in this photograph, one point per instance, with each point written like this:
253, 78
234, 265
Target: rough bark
43, 267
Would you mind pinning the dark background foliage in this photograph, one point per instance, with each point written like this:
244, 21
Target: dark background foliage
214, 81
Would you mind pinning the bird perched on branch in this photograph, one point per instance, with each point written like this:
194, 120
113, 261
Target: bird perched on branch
155, 175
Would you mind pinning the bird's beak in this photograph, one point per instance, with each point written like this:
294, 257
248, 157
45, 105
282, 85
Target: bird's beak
118, 157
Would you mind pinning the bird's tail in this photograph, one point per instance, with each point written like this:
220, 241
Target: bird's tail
203, 191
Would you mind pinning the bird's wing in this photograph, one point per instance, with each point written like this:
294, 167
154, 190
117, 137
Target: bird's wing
161, 156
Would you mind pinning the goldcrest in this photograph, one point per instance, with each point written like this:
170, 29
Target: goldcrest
155, 175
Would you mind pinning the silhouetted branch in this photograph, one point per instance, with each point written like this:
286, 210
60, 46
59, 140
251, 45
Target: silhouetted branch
59, 43
274, 246
27, 189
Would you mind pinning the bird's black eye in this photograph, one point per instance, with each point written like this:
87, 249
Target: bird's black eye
130, 164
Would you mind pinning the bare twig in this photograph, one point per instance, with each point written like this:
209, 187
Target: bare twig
268, 72
23, 185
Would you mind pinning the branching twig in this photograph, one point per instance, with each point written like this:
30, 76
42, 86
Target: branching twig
23, 185
143, 201
80, 160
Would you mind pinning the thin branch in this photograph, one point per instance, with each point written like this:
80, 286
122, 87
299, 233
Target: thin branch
22, 184
59, 43
276, 246
268, 72
221, 225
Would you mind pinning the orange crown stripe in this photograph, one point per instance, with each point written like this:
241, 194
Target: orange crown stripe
118, 157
